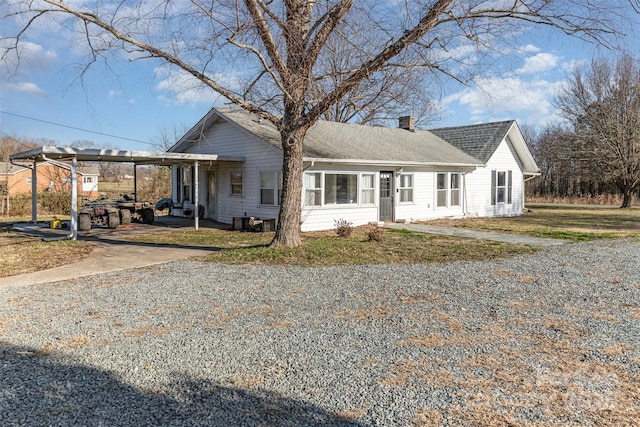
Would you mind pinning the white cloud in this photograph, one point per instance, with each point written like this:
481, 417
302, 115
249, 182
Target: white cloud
508, 98
25, 88
529, 49
21, 64
186, 89
28, 57
539, 63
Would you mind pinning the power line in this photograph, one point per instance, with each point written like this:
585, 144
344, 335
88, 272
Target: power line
75, 128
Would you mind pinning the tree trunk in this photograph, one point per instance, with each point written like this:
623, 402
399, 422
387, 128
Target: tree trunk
288, 228
626, 199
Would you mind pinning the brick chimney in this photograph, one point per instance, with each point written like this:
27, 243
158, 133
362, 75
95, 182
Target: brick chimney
407, 122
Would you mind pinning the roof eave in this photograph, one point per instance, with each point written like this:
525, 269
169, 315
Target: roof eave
390, 163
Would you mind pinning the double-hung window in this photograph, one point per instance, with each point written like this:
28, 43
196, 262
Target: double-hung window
270, 187
312, 189
367, 189
447, 189
501, 187
406, 188
235, 178
454, 189
185, 184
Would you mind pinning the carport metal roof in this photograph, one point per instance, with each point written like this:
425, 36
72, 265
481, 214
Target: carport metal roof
60, 155
48, 153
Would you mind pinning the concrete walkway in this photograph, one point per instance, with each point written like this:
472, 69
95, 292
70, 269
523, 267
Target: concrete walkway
111, 251
474, 234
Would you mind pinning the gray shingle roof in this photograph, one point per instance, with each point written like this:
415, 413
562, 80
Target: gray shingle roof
342, 141
480, 141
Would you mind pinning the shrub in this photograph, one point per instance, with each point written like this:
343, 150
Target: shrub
374, 233
344, 228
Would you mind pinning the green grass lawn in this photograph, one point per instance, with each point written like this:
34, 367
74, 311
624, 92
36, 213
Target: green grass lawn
579, 223
576, 223
326, 248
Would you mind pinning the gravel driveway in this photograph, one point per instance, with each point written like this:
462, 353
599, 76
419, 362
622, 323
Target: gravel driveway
551, 338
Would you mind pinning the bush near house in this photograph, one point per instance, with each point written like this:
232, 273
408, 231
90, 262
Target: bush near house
49, 203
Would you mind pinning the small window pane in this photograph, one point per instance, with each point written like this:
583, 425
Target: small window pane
455, 181
501, 179
266, 179
266, 196
442, 181
455, 197
236, 183
406, 195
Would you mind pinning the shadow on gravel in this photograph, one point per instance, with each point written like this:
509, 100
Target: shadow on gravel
37, 390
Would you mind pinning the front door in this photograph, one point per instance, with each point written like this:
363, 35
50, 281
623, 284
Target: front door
212, 200
386, 196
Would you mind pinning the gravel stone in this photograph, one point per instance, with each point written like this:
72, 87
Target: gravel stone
543, 339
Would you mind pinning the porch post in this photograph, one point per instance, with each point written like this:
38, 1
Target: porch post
196, 208
34, 193
74, 199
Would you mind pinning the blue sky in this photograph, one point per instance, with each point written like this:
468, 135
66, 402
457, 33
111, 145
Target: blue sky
138, 100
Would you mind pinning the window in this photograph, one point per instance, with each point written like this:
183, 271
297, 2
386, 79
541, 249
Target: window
340, 189
236, 183
454, 199
448, 189
406, 188
87, 179
270, 188
501, 187
312, 189
187, 184
441, 190
367, 189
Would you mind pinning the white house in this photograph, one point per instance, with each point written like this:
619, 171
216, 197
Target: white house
362, 174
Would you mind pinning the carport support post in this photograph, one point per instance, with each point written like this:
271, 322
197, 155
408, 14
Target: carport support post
34, 194
196, 208
74, 199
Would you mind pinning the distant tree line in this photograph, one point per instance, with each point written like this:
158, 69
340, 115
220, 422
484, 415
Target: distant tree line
596, 150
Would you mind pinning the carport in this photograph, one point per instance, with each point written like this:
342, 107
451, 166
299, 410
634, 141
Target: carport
68, 157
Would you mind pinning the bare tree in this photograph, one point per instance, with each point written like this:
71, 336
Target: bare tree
285, 41
603, 105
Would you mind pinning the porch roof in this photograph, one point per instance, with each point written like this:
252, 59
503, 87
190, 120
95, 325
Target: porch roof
48, 152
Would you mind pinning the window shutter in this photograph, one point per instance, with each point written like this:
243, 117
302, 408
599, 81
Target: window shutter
509, 181
494, 174
178, 171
